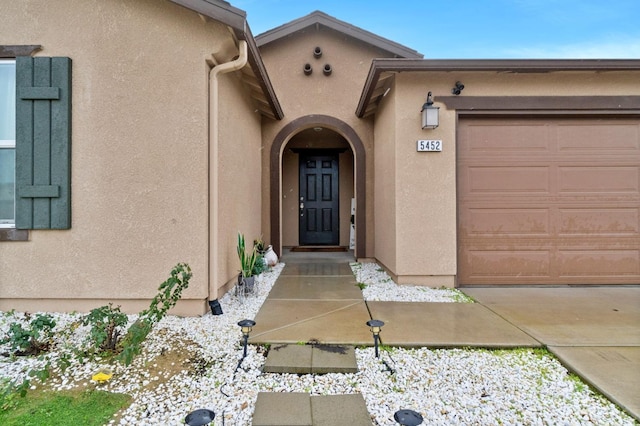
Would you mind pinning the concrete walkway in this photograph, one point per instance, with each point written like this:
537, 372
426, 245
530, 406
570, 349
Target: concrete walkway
594, 331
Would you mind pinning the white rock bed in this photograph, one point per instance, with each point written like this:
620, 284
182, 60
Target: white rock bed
380, 287
454, 386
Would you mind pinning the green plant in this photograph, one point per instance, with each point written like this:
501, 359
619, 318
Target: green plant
106, 323
361, 286
260, 266
33, 339
168, 295
259, 245
247, 261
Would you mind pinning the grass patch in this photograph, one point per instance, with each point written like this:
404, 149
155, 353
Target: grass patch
88, 408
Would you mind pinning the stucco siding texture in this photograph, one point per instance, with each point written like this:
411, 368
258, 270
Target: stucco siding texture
139, 149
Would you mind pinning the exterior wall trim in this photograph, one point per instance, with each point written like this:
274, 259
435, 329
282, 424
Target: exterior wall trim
547, 103
13, 51
380, 66
275, 164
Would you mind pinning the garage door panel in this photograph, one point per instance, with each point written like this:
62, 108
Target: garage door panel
589, 263
508, 139
597, 139
564, 209
522, 263
599, 179
599, 222
489, 180
507, 221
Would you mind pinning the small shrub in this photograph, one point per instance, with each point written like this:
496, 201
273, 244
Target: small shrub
107, 323
33, 339
168, 295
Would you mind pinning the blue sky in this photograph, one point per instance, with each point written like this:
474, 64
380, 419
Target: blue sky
480, 29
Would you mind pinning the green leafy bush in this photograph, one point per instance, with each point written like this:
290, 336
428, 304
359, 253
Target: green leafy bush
33, 339
168, 295
107, 323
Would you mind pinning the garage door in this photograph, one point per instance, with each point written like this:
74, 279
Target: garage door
549, 201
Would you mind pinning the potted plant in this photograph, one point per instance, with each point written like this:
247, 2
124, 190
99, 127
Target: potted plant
248, 261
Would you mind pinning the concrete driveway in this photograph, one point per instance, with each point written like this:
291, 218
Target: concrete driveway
594, 331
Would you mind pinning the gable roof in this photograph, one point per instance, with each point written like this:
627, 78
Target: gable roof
320, 18
255, 76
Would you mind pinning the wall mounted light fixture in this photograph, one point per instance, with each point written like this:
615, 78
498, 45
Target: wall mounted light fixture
429, 114
457, 88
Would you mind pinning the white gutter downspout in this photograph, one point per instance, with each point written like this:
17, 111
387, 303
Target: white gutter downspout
214, 134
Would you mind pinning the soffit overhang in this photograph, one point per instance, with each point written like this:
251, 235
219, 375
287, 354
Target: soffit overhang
254, 76
318, 18
382, 71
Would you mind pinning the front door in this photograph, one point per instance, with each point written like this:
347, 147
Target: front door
319, 199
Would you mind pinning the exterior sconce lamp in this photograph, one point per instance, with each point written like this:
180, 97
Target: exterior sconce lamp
375, 326
408, 418
199, 417
245, 326
429, 114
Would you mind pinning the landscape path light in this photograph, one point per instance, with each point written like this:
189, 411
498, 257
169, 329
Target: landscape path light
200, 417
246, 325
375, 326
408, 418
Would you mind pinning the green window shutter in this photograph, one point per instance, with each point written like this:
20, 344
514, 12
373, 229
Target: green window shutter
43, 143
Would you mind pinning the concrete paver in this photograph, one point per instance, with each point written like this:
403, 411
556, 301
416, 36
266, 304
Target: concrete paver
577, 316
282, 409
294, 321
311, 359
317, 269
294, 359
333, 410
614, 371
311, 288
302, 409
445, 325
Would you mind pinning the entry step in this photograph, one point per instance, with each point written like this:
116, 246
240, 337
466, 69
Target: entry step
311, 359
302, 409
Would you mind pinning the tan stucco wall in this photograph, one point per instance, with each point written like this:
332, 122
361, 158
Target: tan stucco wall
139, 154
424, 189
336, 96
385, 218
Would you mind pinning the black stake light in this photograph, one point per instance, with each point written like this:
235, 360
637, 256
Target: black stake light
246, 325
408, 418
200, 417
375, 326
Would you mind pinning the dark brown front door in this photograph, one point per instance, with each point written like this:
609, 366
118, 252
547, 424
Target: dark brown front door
319, 199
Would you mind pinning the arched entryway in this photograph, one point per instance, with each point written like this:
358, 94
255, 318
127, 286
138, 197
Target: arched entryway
283, 138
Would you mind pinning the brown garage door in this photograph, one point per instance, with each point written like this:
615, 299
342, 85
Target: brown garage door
549, 201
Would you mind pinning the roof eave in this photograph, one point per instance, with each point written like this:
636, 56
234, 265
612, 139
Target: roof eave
379, 66
236, 19
323, 19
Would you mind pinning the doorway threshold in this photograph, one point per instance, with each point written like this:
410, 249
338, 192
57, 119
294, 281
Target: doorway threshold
319, 249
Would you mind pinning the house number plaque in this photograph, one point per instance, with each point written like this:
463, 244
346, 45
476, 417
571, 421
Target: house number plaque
429, 146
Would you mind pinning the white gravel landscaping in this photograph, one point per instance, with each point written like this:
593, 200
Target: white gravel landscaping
453, 386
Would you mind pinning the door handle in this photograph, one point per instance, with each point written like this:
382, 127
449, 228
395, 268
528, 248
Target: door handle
301, 209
